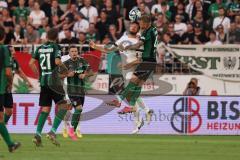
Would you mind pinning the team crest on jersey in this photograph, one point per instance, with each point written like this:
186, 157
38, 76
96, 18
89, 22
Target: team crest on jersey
126, 43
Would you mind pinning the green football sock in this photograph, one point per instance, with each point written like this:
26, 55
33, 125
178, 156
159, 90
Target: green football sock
130, 88
76, 118
6, 118
58, 119
5, 134
135, 95
41, 121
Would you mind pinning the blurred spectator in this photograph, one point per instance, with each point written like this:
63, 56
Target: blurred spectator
113, 16
92, 34
43, 37
189, 9
23, 25
81, 25
31, 36
83, 41
7, 19
233, 9
20, 12
61, 35
188, 37
179, 27
102, 25
89, 11
232, 33
161, 23
31, 5
199, 36
175, 39
3, 5
165, 11
157, 8
142, 7
69, 39
46, 7
68, 16
213, 39
113, 35
173, 7
221, 20
214, 7
192, 88
198, 19
181, 11
44, 27
237, 21
36, 16
221, 35
199, 6
127, 6
55, 9
166, 57
149, 3
18, 35
9, 37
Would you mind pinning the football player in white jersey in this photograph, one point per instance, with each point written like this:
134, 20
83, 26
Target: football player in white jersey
130, 59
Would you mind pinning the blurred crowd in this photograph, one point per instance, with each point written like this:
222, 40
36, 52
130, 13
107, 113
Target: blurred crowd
178, 21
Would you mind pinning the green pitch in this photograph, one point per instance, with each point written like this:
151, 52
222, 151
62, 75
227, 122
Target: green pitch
128, 147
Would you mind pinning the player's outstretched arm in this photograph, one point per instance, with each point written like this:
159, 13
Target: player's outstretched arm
105, 48
134, 46
33, 66
24, 77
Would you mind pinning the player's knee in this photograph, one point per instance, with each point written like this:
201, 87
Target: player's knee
8, 111
79, 107
63, 106
1, 117
46, 109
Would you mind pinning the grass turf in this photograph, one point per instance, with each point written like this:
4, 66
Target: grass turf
128, 147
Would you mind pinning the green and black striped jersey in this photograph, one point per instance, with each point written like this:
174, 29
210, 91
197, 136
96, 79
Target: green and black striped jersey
5, 62
75, 84
46, 55
150, 39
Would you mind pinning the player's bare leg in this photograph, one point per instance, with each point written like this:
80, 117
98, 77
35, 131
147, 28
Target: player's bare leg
138, 120
66, 125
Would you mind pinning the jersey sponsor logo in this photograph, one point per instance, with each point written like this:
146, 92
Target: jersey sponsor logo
45, 50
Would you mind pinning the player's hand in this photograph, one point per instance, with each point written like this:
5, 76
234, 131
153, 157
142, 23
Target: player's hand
92, 44
71, 74
30, 85
9, 87
121, 47
127, 66
82, 76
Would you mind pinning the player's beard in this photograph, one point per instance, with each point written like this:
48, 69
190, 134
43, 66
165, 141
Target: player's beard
133, 33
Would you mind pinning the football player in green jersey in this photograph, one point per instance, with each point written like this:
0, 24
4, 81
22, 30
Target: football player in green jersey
8, 98
78, 71
48, 56
5, 84
149, 40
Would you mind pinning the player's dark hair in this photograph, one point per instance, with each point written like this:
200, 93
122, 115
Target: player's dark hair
72, 46
145, 18
52, 34
2, 33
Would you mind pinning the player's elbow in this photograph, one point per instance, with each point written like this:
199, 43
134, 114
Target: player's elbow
8, 72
